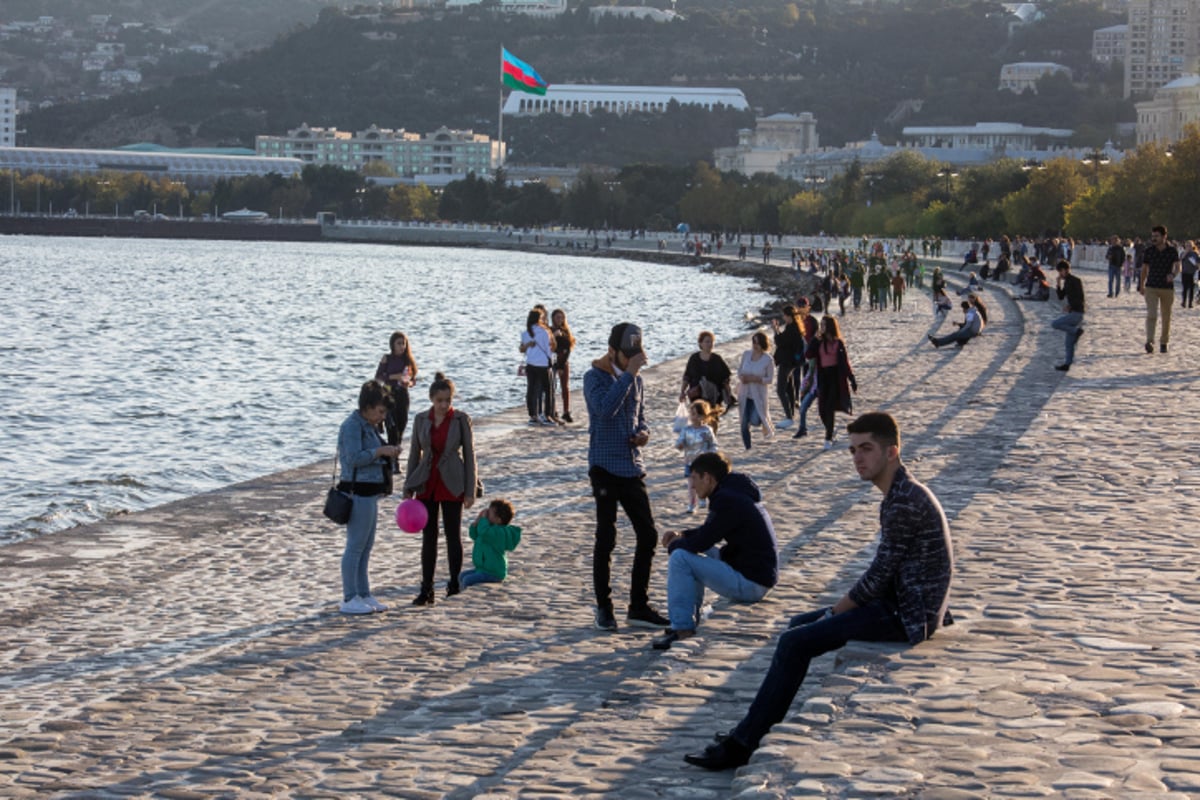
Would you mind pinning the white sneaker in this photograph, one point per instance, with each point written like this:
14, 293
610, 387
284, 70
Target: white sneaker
785, 424
828, 444
355, 605
374, 604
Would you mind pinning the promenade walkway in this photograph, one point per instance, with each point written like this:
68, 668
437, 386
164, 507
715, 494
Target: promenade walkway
194, 650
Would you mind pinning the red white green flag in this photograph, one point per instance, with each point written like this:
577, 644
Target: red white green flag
519, 76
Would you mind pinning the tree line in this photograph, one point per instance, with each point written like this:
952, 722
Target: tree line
906, 194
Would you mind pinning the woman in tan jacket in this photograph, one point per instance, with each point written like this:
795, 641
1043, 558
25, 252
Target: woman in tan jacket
441, 474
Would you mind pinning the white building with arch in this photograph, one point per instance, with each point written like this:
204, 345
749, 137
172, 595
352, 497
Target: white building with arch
567, 99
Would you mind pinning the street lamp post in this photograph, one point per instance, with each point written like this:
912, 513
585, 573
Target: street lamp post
1096, 158
949, 174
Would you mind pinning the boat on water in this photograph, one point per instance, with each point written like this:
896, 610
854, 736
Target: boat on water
244, 215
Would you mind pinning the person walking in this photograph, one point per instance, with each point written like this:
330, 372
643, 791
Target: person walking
1115, 256
442, 475
1188, 265
617, 432
1069, 288
789, 350
755, 374
1160, 265
835, 376
364, 461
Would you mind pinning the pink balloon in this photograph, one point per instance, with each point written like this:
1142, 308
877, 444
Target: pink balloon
411, 516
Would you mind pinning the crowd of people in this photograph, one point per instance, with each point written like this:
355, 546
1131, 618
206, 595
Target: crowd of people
901, 597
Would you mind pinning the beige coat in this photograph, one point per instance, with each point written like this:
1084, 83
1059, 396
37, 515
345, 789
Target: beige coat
458, 471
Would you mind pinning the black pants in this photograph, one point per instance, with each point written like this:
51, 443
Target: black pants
537, 388
397, 416
785, 388
452, 522
828, 390
1189, 289
609, 490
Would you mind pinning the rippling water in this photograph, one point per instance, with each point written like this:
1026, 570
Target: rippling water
134, 372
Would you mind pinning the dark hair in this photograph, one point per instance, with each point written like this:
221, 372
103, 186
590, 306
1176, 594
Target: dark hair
534, 318
879, 425
764, 344
566, 328
703, 334
408, 356
441, 384
829, 323
1063, 264
704, 410
373, 393
504, 510
1160, 229
715, 464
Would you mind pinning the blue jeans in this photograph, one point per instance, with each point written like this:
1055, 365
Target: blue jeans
804, 404
960, 335
360, 538
1070, 324
750, 416
688, 574
474, 576
807, 637
1114, 281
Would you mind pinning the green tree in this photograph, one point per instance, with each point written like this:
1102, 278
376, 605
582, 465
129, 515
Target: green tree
1039, 207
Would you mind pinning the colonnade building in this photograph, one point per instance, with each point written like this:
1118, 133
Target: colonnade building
195, 169
567, 99
409, 155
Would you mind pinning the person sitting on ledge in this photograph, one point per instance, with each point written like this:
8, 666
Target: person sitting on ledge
969, 328
901, 597
744, 570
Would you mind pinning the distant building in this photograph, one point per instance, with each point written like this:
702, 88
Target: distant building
772, 141
442, 152
958, 146
567, 99
1108, 44
635, 12
8, 117
533, 8
195, 169
1022, 75
1174, 107
1163, 44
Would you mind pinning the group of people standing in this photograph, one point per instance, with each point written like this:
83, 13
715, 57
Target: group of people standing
547, 348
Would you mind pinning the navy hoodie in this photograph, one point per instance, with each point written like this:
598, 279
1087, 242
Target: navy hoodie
737, 517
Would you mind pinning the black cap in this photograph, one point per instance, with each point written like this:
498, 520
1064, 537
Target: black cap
626, 338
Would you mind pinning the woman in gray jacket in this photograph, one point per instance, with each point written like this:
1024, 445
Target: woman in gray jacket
441, 474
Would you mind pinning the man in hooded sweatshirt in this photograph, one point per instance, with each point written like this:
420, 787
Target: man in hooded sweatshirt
744, 570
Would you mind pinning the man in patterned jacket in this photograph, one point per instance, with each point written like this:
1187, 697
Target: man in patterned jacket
901, 597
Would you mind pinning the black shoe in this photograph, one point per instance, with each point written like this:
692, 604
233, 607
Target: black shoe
1078, 333
800, 434
931, 340
1063, 367
727, 754
669, 638
567, 417
452, 588
605, 621
1149, 347
1162, 348
646, 617
425, 598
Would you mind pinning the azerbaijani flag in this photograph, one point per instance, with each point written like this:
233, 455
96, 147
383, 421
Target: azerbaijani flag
517, 75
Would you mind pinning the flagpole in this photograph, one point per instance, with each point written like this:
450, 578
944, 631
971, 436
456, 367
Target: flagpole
500, 113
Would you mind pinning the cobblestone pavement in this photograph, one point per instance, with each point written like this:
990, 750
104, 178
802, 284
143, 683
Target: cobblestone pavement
195, 650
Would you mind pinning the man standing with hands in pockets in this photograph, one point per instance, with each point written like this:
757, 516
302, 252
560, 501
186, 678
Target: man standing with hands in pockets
617, 432
1069, 288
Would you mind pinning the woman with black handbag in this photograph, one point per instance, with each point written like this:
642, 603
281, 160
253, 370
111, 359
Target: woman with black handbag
441, 474
365, 460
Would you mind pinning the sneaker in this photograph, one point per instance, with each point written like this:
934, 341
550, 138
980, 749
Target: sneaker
1063, 367
374, 604
605, 621
1149, 347
532, 421
542, 420
703, 504
828, 444
785, 424
566, 417
691, 509
669, 638
800, 434
646, 617
355, 605
1162, 348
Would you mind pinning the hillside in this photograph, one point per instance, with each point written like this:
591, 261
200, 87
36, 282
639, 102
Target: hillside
851, 67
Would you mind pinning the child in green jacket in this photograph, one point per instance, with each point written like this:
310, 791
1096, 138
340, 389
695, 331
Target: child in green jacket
494, 537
